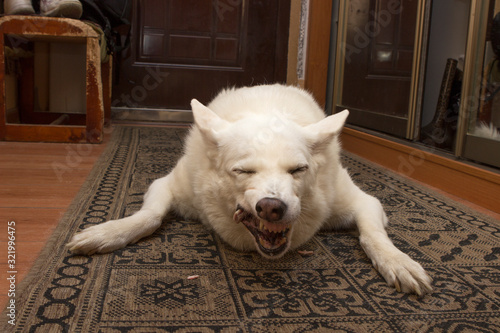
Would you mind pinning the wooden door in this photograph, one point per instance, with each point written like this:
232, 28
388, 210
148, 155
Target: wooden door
377, 60
184, 49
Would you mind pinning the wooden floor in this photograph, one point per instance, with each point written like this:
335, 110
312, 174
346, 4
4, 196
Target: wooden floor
38, 181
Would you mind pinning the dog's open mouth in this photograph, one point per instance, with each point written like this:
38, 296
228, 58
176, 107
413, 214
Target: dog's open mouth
271, 238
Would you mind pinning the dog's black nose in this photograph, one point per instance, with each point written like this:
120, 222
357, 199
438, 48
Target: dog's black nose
270, 209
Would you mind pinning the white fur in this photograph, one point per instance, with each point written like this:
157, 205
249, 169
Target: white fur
488, 131
267, 141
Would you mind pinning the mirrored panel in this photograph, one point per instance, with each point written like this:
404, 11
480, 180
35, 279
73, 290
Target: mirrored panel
375, 63
444, 73
482, 141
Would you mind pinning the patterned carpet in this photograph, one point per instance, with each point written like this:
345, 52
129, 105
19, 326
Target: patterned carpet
144, 287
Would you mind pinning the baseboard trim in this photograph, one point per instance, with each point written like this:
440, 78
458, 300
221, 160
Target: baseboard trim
476, 185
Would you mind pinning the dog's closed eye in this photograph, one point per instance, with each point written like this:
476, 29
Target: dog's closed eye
240, 171
298, 169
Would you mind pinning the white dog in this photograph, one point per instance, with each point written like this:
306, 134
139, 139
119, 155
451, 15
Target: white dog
261, 168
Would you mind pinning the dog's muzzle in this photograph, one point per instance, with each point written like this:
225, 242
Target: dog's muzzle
270, 232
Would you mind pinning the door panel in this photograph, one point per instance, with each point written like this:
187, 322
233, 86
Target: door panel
182, 37
377, 62
184, 49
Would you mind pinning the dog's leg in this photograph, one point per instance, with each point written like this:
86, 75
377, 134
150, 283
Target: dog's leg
397, 268
116, 234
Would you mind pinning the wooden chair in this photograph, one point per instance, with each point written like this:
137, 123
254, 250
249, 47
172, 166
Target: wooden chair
42, 126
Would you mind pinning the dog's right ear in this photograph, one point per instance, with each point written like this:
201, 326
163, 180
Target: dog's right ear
322, 132
207, 121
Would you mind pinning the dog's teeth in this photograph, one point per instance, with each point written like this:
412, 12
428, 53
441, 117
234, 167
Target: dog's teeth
237, 214
261, 225
266, 244
275, 229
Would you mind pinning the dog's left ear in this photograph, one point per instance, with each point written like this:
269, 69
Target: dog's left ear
326, 129
207, 121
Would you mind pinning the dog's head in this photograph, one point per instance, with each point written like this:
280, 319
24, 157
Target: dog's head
268, 166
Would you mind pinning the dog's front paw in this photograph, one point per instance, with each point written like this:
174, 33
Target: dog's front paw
405, 274
97, 239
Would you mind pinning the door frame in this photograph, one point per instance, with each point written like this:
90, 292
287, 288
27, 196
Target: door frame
318, 48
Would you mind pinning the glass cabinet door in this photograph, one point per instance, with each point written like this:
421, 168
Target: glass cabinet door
376, 63
481, 110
